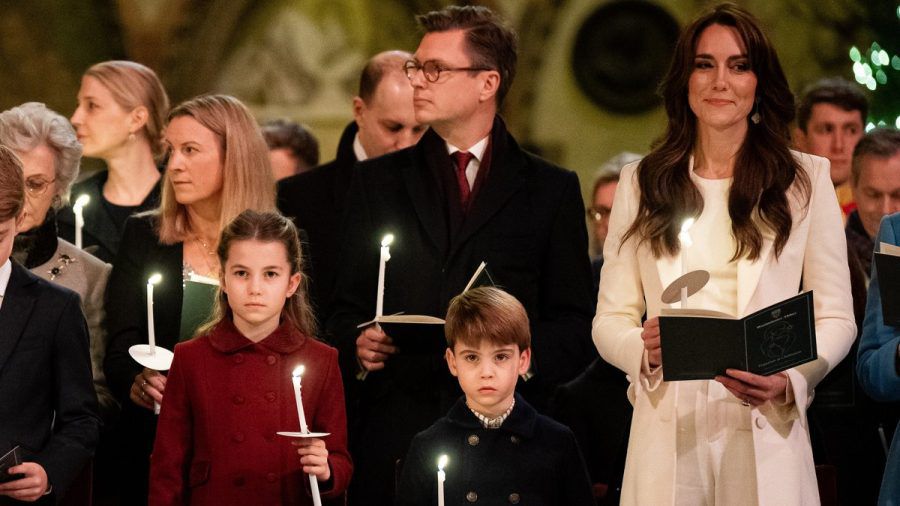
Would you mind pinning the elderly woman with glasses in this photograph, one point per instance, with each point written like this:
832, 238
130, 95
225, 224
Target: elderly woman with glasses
51, 154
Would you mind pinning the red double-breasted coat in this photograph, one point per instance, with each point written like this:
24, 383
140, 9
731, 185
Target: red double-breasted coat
226, 397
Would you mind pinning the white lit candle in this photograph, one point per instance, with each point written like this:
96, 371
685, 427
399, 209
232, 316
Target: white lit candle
78, 209
385, 256
685, 238
441, 476
295, 377
151, 332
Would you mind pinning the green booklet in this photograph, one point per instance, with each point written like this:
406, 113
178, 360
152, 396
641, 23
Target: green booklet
197, 304
699, 344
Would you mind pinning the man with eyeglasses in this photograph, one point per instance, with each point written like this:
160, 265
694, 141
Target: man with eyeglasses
466, 193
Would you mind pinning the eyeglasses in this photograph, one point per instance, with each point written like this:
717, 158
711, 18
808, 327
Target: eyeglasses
36, 185
596, 214
432, 69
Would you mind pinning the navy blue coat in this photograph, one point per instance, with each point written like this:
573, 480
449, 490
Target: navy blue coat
530, 459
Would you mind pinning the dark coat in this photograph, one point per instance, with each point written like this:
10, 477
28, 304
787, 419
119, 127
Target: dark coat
48, 405
530, 459
315, 200
103, 230
140, 255
226, 397
526, 221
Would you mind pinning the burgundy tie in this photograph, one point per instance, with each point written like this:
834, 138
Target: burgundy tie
462, 159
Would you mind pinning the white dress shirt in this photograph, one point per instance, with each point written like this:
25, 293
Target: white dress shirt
5, 272
477, 151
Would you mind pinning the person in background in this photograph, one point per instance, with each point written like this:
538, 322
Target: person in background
122, 106
604, 191
878, 365
48, 412
383, 121
218, 166
831, 119
767, 224
847, 427
293, 149
45, 143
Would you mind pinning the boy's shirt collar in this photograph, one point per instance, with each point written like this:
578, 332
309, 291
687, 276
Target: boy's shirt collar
5, 273
494, 423
521, 420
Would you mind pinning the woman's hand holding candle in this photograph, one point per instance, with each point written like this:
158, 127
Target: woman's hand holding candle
148, 387
650, 336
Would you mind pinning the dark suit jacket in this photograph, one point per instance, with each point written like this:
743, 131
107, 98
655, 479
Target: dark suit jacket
140, 255
525, 222
315, 201
47, 402
102, 231
530, 459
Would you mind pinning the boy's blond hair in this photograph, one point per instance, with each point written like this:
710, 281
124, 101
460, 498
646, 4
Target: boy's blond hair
487, 313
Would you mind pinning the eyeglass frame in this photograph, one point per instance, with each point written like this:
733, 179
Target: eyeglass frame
412, 67
37, 192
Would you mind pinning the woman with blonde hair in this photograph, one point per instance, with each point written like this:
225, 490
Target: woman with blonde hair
122, 107
218, 166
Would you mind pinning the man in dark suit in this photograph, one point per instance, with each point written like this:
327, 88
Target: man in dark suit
48, 407
384, 121
520, 214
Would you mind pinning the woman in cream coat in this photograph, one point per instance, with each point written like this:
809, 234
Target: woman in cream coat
767, 225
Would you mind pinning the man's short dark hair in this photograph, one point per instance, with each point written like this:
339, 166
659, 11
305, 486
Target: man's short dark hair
282, 133
490, 43
12, 184
836, 91
376, 68
879, 143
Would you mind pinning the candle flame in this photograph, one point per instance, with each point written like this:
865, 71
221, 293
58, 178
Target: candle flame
442, 462
298, 371
387, 240
686, 225
82, 201
154, 279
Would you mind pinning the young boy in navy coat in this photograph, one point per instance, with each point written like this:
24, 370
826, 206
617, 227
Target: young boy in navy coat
499, 449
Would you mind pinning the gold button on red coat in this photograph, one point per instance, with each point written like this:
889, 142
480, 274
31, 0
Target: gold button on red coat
271, 359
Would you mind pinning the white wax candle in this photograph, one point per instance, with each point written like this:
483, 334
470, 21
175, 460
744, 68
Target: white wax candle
295, 377
685, 238
382, 264
151, 333
78, 209
441, 476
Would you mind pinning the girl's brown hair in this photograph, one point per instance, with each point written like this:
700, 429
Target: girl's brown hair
764, 169
247, 181
253, 225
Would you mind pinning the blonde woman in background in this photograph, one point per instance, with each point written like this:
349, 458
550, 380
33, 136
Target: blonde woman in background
122, 107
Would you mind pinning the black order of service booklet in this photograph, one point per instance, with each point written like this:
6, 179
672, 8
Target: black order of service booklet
698, 344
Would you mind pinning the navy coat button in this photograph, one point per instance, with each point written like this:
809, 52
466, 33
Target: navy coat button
514, 440
471, 496
473, 440
514, 498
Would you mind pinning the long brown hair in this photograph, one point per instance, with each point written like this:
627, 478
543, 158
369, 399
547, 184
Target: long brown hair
253, 225
764, 169
247, 181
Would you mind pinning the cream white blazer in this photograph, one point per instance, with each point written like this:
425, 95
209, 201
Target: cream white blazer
632, 281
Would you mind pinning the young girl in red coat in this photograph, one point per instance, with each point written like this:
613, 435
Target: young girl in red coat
229, 389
